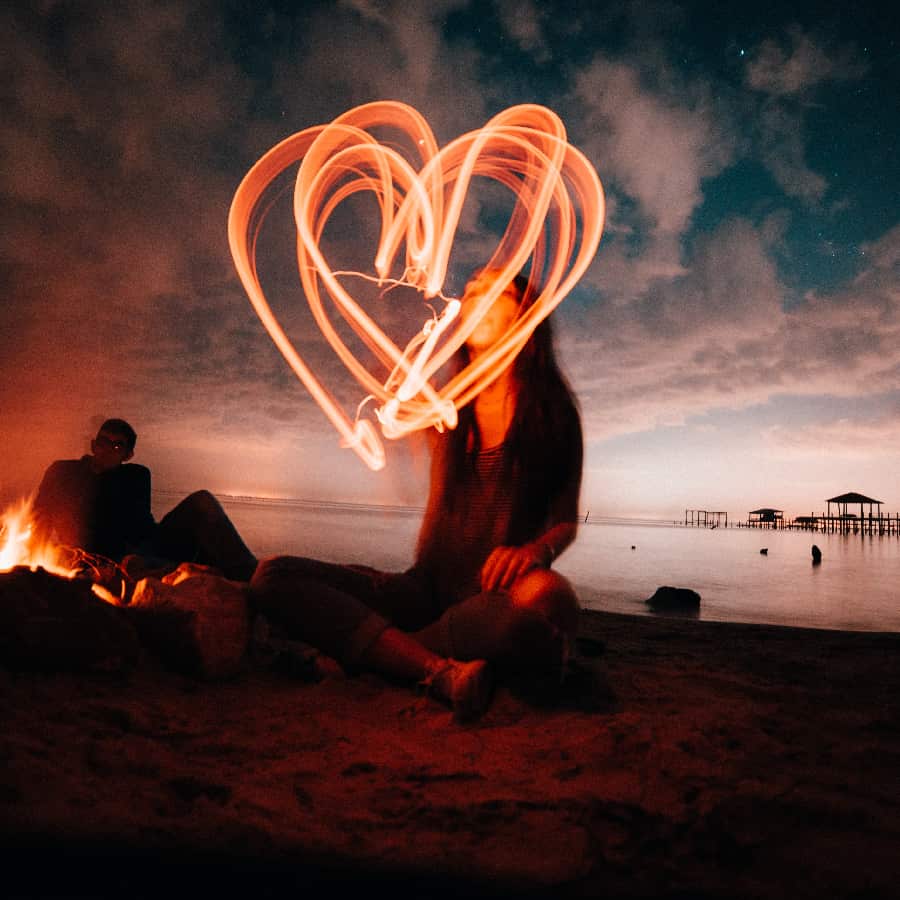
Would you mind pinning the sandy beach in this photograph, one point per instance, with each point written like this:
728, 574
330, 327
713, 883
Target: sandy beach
681, 759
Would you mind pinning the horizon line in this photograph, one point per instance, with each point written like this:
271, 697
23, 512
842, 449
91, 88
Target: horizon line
584, 515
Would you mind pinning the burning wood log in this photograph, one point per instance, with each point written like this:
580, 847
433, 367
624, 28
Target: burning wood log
52, 623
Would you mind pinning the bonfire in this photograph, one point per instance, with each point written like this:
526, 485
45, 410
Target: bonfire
193, 617
20, 546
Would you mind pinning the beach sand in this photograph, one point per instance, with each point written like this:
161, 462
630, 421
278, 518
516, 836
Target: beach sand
683, 759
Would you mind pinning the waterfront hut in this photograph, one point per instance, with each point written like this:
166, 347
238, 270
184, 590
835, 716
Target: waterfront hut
845, 500
766, 518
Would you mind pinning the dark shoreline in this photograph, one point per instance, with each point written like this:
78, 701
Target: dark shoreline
688, 759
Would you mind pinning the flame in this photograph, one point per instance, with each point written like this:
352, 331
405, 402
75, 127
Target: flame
20, 547
555, 224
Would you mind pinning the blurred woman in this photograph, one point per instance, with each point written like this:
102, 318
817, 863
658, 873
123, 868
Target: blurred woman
503, 504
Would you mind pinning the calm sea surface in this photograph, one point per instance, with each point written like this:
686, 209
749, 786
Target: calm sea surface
855, 587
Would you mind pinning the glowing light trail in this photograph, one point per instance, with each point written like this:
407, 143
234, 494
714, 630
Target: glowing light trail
555, 225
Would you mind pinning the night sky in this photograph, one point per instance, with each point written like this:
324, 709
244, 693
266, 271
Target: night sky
735, 344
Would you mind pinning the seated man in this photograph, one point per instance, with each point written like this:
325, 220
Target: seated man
101, 504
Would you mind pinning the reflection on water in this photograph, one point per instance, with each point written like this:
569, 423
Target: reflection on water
385, 540
853, 588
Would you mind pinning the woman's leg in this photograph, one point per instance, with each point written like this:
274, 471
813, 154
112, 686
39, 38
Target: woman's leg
525, 631
323, 604
550, 594
466, 686
333, 608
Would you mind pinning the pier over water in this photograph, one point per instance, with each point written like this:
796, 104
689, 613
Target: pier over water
838, 518
870, 519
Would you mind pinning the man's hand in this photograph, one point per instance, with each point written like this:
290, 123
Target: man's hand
506, 564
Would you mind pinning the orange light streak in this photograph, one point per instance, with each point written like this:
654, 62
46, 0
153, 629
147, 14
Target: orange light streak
555, 224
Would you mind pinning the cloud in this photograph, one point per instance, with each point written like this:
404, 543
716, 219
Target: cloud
691, 322
117, 198
853, 332
729, 283
655, 146
127, 128
654, 142
787, 74
884, 256
783, 150
719, 337
800, 62
388, 50
523, 22
850, 437
371, 10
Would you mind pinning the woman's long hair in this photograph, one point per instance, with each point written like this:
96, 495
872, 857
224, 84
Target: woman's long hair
542, 451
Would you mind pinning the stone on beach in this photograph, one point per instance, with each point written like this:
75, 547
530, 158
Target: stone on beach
667, 598
194, 619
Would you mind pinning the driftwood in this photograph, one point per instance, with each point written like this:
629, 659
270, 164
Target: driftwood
50, 623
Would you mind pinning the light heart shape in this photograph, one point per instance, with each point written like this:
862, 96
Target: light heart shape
554, 228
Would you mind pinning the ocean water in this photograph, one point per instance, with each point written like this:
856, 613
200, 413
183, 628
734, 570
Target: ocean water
617, 566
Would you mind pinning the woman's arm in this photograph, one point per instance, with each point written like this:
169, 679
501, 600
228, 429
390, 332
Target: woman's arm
556, 539
506, 564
